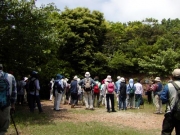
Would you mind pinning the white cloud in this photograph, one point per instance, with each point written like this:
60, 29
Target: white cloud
124, 10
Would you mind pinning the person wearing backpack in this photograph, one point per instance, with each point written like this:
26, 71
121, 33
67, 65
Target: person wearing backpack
58, 90
109, 89
8, 96
74, 87
96, 91
117, 83
34, 88
122, 95
130, 94
170, 96
156, 89
87, 85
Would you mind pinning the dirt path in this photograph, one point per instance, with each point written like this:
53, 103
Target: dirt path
135, 119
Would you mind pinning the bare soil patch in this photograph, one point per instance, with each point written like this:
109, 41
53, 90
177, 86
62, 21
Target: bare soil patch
133, 119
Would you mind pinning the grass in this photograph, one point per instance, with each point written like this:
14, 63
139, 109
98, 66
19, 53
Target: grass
44, 124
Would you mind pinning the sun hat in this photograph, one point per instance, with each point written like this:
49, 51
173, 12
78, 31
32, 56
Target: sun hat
118, 77
176, 72
25, 78
75, 77
108, 79
87, 74
157, 79
1, 65
122, 79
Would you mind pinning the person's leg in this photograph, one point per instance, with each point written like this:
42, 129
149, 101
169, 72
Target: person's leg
38, 103
90, 100
4, 120
107, 102
168, 124
120, 102
128, 101
177, 127
97, 103
160, 104
32, 102
156, 103
112, 102
86, 100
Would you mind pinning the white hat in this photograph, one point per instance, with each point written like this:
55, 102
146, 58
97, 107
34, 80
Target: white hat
66, 79
157, 79
176, 73
75, 77
108, 79
25, 78
87, 74
122, 79
118, 77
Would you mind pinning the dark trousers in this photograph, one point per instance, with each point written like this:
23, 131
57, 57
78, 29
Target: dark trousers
34, 99
111, 97
169, 123
122, 102
74, 97
149, 97
20, 99
96, 96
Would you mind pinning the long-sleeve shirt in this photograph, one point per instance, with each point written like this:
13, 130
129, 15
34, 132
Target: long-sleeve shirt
13, 89
139, 88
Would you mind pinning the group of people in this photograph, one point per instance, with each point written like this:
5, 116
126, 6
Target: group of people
127, 94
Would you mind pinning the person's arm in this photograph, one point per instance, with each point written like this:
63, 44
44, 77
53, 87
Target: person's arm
36, 82
13, 97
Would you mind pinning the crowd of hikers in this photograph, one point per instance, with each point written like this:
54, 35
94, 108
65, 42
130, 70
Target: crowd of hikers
93, 93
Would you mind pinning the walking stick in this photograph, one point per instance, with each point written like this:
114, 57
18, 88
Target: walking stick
14, 124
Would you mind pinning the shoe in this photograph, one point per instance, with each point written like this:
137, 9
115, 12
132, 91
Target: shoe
108, 111
113, 110
72, 106
58, 110
41, 112
91, 109
86, 108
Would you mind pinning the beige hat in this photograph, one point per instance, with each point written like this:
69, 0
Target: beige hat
157, 79
1, 65
75, 77
108, 79
176, 72
118, 77
122, 79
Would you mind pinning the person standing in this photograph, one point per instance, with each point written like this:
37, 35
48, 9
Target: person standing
117, 83
10, 96
34, 88
87, 85
156, 89
122, 94
58, 90
130, 94
96, 91
172, 100
109, 89
138, 93
74, 86
21, 91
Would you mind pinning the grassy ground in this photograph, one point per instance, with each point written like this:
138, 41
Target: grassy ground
59, 123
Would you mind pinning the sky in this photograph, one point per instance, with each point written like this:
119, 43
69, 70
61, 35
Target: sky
124, 10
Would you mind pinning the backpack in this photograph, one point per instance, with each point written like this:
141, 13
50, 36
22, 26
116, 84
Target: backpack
110, 87
4, 92
176, 109
32, 86
96, 89
131, 90
87, 84
57, 86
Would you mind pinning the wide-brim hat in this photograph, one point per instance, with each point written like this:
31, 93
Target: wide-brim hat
75, 77
87, 74
108, 79
176, 73
25, 78
118, 77
122, 79
157, 79
1, 65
